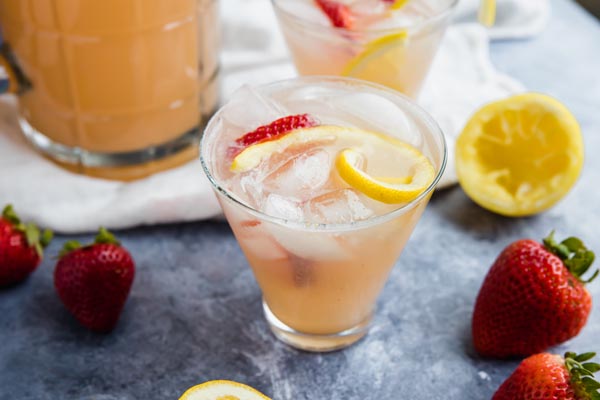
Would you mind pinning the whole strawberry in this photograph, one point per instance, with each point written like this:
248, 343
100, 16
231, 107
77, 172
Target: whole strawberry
533, 297
93, 281
21, 247
552, 377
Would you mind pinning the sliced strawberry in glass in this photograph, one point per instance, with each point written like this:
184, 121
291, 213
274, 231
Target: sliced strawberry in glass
272, 131
339, 14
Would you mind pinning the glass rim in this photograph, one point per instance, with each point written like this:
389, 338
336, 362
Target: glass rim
309, 23
417, 110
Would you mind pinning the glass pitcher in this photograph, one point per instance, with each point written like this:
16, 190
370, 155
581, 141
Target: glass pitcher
112, 88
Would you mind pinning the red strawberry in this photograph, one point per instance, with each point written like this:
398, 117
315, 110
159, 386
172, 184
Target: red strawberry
21, 247
551, 377
339, 14
532, 298
93, 281
272, 131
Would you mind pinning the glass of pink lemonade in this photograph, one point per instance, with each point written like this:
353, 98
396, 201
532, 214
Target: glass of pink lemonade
322, 180
391, 42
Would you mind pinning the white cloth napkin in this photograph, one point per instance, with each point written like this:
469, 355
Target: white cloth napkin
462, 78
515, 19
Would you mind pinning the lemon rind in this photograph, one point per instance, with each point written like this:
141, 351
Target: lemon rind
252, 155
206, 385
388, 190
379, 45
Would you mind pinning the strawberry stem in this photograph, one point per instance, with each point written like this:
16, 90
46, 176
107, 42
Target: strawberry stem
10, 215
582, 375
30, 230
68, 247
46, 237
104, 236
573, 253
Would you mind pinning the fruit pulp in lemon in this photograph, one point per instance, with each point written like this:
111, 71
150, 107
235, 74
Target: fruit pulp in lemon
402, 65
520, 155
318, 274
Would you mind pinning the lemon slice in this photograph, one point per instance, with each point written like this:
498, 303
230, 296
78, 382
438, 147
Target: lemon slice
222, 390
379, 61
487, 12
380, 151
398, 4
386, 190
252, 155
521, 155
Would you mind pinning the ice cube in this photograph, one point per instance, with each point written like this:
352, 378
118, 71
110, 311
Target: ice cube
252, 188
254, 238
306, 10
300, 176
364, 8
376, 113
336, 207
250, 109
310, 245
247, 110
426, 8
283, 207
305, 244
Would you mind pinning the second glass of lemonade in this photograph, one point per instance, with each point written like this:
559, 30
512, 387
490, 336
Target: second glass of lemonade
390, 42
322, 180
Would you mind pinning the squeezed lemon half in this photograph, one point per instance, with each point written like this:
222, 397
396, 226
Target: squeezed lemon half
222, 390
521, 155
359, 147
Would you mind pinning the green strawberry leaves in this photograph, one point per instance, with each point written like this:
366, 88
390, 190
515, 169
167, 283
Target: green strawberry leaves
103, 236
35, 238
9, 214
68, 247
582, 374
576, 257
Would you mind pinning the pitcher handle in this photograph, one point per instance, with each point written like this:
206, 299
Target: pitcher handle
12, 78
8, 79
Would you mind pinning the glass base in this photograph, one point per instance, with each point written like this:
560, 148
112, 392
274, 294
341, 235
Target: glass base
124, 165
315, 342
130, 165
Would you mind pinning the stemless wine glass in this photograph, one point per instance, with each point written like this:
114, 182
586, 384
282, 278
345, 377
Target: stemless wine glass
373, 41
320, 251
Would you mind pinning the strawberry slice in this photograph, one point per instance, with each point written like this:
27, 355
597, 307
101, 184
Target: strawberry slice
274, 130
339, 14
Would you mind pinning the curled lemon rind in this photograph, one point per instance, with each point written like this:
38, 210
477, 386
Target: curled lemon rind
386, 190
